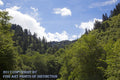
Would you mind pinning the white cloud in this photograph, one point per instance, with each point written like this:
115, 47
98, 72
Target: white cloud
108, 2
15, 8
1, 2
57, 36
34, 13
89, 25
28, 22
62, 12
74, 36
34, 9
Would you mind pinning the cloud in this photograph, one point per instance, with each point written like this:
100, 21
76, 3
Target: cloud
1, 2
89, 25
15, 8
62, 12
105, 3
34, 9
57, 36
34, 13
28, 22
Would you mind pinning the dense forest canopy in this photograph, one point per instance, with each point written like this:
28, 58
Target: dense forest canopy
94, 56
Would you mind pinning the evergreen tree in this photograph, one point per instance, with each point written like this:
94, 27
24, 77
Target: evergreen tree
86, 31
105, 17
116, 10
97, 25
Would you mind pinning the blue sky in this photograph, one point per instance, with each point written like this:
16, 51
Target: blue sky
57, 19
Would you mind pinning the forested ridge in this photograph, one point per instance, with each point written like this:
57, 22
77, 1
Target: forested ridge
25, 40
94, 56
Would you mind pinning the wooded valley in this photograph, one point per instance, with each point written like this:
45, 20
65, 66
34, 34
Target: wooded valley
94, 56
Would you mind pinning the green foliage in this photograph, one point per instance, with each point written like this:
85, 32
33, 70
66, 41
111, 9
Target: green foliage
34, 61
24, 40
94, 56
113, 60
8, 55
84, 61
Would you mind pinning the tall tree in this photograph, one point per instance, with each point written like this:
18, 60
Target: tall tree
86, 31
105, 17
7, 51
97, 25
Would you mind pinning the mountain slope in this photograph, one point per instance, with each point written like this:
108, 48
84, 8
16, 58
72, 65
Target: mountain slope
95, 56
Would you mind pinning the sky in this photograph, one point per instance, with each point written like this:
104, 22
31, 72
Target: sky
57, 20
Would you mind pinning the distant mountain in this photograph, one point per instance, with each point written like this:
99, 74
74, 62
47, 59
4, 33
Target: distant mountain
61, 44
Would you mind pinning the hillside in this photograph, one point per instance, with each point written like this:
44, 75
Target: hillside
95, 56
111, 30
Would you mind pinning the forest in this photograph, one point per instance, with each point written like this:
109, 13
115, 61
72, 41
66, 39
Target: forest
94, 56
